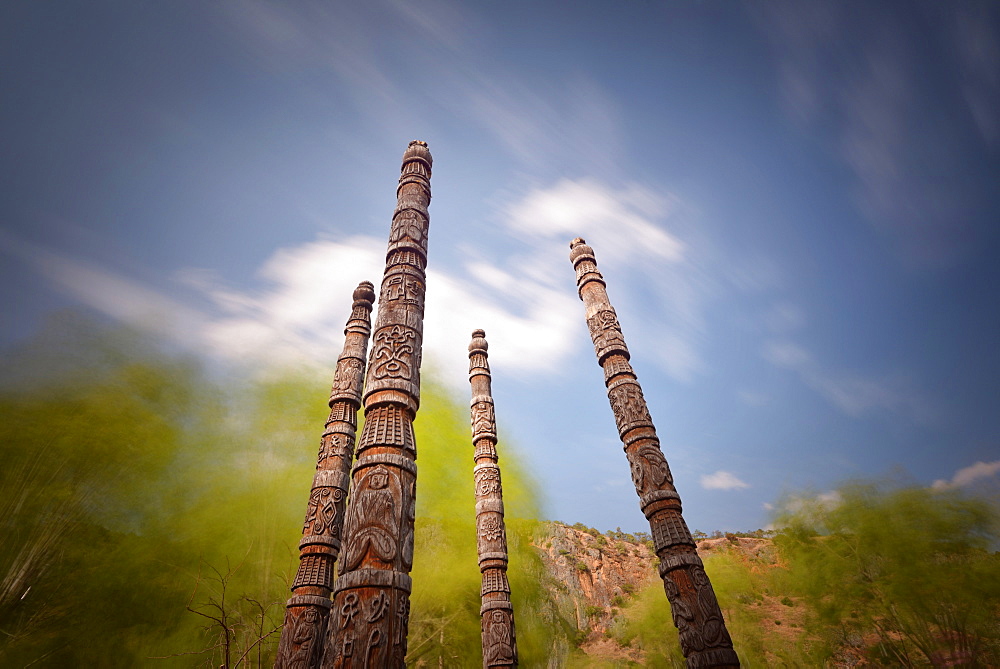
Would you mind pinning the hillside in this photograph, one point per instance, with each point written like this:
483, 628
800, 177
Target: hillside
598, 577
797, 600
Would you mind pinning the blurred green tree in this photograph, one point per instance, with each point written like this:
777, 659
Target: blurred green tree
898, 575
151, 510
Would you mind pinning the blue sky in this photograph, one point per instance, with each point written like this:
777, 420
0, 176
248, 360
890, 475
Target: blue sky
795, 206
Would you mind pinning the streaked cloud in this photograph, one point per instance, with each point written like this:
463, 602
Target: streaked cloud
968, 475
829, 499
106, 291
619, 222
795, 504
722, 480
784, 317
786, 354
865, 91
753, 399
852, 392
296, 312
631, 230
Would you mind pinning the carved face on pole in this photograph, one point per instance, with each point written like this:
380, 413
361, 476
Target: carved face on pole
378, 480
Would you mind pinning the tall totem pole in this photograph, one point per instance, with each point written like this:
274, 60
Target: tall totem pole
704, 639
308, 610
497, 613
371, 602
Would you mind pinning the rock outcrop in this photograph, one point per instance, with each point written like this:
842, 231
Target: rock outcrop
594, 575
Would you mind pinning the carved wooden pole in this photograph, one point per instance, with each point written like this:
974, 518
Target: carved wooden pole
371, 602
497, 613
307, 611
696, 614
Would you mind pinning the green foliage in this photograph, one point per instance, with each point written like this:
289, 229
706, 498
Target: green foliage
445, 622
151, 511
888, 575
131, 483
584, 528
647, 626
910, 567
143, 501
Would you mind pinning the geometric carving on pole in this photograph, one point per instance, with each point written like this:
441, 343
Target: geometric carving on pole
496, 612
308, 610
704, 639
371, 600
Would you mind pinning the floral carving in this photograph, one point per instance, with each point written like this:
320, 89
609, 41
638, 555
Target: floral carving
393, 356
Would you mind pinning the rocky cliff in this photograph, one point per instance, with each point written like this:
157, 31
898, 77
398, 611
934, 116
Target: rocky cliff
594, 574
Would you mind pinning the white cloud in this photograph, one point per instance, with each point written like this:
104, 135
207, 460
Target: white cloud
105, 291
767, 506
628, 229
298, 315
529, 308
300, 312
978, 45
753, 399
853, 393
554, 123
784, 317
829, 499
617, 223
867, 91
786, 354
968, 475
823, 501
722, 480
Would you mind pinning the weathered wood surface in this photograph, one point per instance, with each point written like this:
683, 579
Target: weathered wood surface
704, 639
371, 602
308, 610
496, 612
